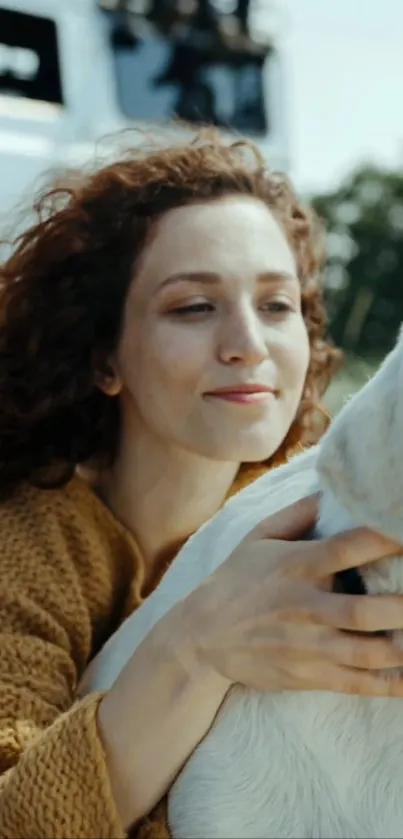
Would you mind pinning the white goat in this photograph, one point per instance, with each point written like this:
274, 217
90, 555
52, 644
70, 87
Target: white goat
296, 764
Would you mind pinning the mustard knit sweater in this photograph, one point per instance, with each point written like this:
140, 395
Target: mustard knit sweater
69, 574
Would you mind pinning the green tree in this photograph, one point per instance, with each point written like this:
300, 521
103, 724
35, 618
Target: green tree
364, 281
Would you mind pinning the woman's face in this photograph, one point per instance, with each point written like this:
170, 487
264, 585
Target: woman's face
214, 305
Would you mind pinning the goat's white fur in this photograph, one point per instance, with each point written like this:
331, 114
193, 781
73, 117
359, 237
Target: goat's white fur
296, 764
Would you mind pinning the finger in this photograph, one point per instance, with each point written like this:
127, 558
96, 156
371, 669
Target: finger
291, 522
348, 550
358, 613
363, 653
358, 682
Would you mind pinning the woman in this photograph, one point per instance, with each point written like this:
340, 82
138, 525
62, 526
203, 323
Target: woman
161, 344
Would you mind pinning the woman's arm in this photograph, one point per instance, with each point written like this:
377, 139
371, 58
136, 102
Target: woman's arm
65, 770
160, 708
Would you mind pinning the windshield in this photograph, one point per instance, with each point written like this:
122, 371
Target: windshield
191, 77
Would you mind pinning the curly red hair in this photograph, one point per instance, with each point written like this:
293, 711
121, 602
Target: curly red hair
64, 286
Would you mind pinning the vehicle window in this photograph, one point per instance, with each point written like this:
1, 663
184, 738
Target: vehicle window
29, 57
193, 76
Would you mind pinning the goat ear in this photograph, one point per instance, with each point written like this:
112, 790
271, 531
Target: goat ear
361, 456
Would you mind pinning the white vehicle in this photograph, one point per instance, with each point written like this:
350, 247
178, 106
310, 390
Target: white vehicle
75, 71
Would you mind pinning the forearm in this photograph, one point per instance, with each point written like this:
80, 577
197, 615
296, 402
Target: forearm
159, 709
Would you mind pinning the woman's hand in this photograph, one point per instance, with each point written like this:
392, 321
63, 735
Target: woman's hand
267, 618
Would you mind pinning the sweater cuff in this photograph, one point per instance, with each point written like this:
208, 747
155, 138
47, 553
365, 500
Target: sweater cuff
60, 786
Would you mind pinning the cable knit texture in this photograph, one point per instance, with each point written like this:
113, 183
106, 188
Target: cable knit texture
69, 574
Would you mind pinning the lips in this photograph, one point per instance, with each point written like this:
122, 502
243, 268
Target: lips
244, 394
242, 388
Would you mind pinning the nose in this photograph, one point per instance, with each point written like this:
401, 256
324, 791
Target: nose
243, 340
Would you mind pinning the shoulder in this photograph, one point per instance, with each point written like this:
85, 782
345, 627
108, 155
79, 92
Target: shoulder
66, 535
70, 508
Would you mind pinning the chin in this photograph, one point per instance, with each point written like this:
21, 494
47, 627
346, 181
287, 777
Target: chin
254, 450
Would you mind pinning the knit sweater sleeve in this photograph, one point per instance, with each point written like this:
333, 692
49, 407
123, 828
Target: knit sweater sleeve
60, 583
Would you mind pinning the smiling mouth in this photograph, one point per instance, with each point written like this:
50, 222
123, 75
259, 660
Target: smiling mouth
242, 398
244, 394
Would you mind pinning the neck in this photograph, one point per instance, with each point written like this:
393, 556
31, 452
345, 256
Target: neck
163, 494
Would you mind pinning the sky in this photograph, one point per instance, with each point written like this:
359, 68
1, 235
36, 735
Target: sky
344, 69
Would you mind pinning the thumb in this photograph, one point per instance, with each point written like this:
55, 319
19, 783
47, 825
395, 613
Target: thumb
291, 522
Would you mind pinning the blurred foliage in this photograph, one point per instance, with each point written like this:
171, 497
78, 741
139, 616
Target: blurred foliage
364, 280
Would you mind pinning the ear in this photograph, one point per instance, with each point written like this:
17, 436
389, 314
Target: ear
108, 380
361, 456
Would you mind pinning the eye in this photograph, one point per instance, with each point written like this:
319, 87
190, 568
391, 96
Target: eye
279, 307
192, 309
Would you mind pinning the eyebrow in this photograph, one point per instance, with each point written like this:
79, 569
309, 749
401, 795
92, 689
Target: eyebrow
211, 278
